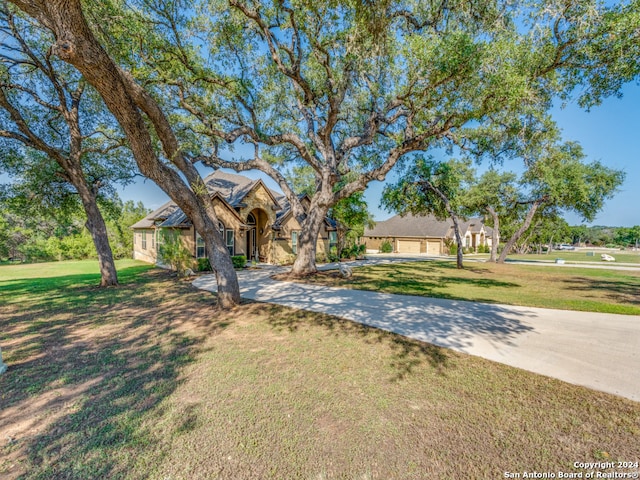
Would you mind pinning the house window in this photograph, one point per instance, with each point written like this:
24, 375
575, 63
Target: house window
333, 239
251, 220
144, 240
200, 249
153, 240
294, 242
230, 241
467, 240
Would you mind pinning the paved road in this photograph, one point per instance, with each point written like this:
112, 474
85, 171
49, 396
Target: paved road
600, 351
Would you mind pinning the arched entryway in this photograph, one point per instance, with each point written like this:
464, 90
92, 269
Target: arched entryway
257, 238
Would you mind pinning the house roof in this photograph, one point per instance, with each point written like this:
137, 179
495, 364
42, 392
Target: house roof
422, 226
231, 188
162, 213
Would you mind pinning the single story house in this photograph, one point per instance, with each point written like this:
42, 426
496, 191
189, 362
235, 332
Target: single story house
425, 234
254, 221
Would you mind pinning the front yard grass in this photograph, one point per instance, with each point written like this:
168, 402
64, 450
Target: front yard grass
148, 380
583, 289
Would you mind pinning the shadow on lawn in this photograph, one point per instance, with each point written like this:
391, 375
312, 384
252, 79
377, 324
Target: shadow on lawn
87, 366
407, 353
426, 281
619, 291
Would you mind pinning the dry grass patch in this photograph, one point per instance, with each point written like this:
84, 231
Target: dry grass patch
148, 380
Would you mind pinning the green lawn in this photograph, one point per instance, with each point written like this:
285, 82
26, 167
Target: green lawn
584, 289
148, 380
580, 256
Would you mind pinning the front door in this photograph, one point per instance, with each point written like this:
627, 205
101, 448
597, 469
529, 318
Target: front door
252, 244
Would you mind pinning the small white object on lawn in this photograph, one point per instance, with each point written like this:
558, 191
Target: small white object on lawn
345, 271
607, 258
3, 366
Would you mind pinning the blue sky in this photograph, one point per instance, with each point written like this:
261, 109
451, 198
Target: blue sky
609, 133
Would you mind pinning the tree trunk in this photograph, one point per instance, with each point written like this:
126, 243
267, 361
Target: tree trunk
98, 229
454, 218
76, 45
456, 231
305, 263
495, 234
222, 266
523, 228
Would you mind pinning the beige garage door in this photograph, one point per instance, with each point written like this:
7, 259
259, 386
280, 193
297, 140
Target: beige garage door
408, 246
433, 248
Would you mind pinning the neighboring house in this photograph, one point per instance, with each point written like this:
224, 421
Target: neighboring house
425, 234
254, 221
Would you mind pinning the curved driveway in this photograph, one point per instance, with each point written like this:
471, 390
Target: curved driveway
600, 351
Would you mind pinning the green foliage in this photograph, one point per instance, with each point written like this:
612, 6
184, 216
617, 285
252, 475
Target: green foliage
204, 265
386, 247
119, 220
430, 187
453, 249
354, 251
239, 261
173, 253
30, 235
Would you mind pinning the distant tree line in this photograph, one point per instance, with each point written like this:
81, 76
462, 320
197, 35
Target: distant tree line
30, 235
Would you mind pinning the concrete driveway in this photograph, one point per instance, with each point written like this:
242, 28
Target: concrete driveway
599, 351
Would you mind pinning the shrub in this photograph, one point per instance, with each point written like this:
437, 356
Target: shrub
174, 254
333, 254
386, 247
204, 265
453, 249
239, 261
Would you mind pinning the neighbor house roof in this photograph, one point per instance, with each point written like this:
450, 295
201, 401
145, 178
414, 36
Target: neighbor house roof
421, 226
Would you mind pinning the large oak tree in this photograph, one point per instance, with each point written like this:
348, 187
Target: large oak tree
55, 140
348, 86
142, 120
341, 86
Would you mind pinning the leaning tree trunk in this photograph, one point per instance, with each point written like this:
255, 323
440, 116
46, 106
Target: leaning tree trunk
523, 228
95, 222
76, 45
98, 229
228, 291
495, 234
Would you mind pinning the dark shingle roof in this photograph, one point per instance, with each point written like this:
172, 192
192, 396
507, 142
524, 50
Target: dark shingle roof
161, 213
231, 187
410, 226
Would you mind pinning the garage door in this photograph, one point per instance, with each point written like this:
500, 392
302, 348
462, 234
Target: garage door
433, 248
408, 246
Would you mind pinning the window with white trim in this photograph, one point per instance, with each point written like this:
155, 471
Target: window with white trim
201, 251
294, 242
230, 242
333, 239
144, 240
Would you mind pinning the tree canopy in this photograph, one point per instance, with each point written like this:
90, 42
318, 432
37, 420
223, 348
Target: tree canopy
340, 86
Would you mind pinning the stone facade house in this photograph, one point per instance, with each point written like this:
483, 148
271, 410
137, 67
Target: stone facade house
425, 234
254, 220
